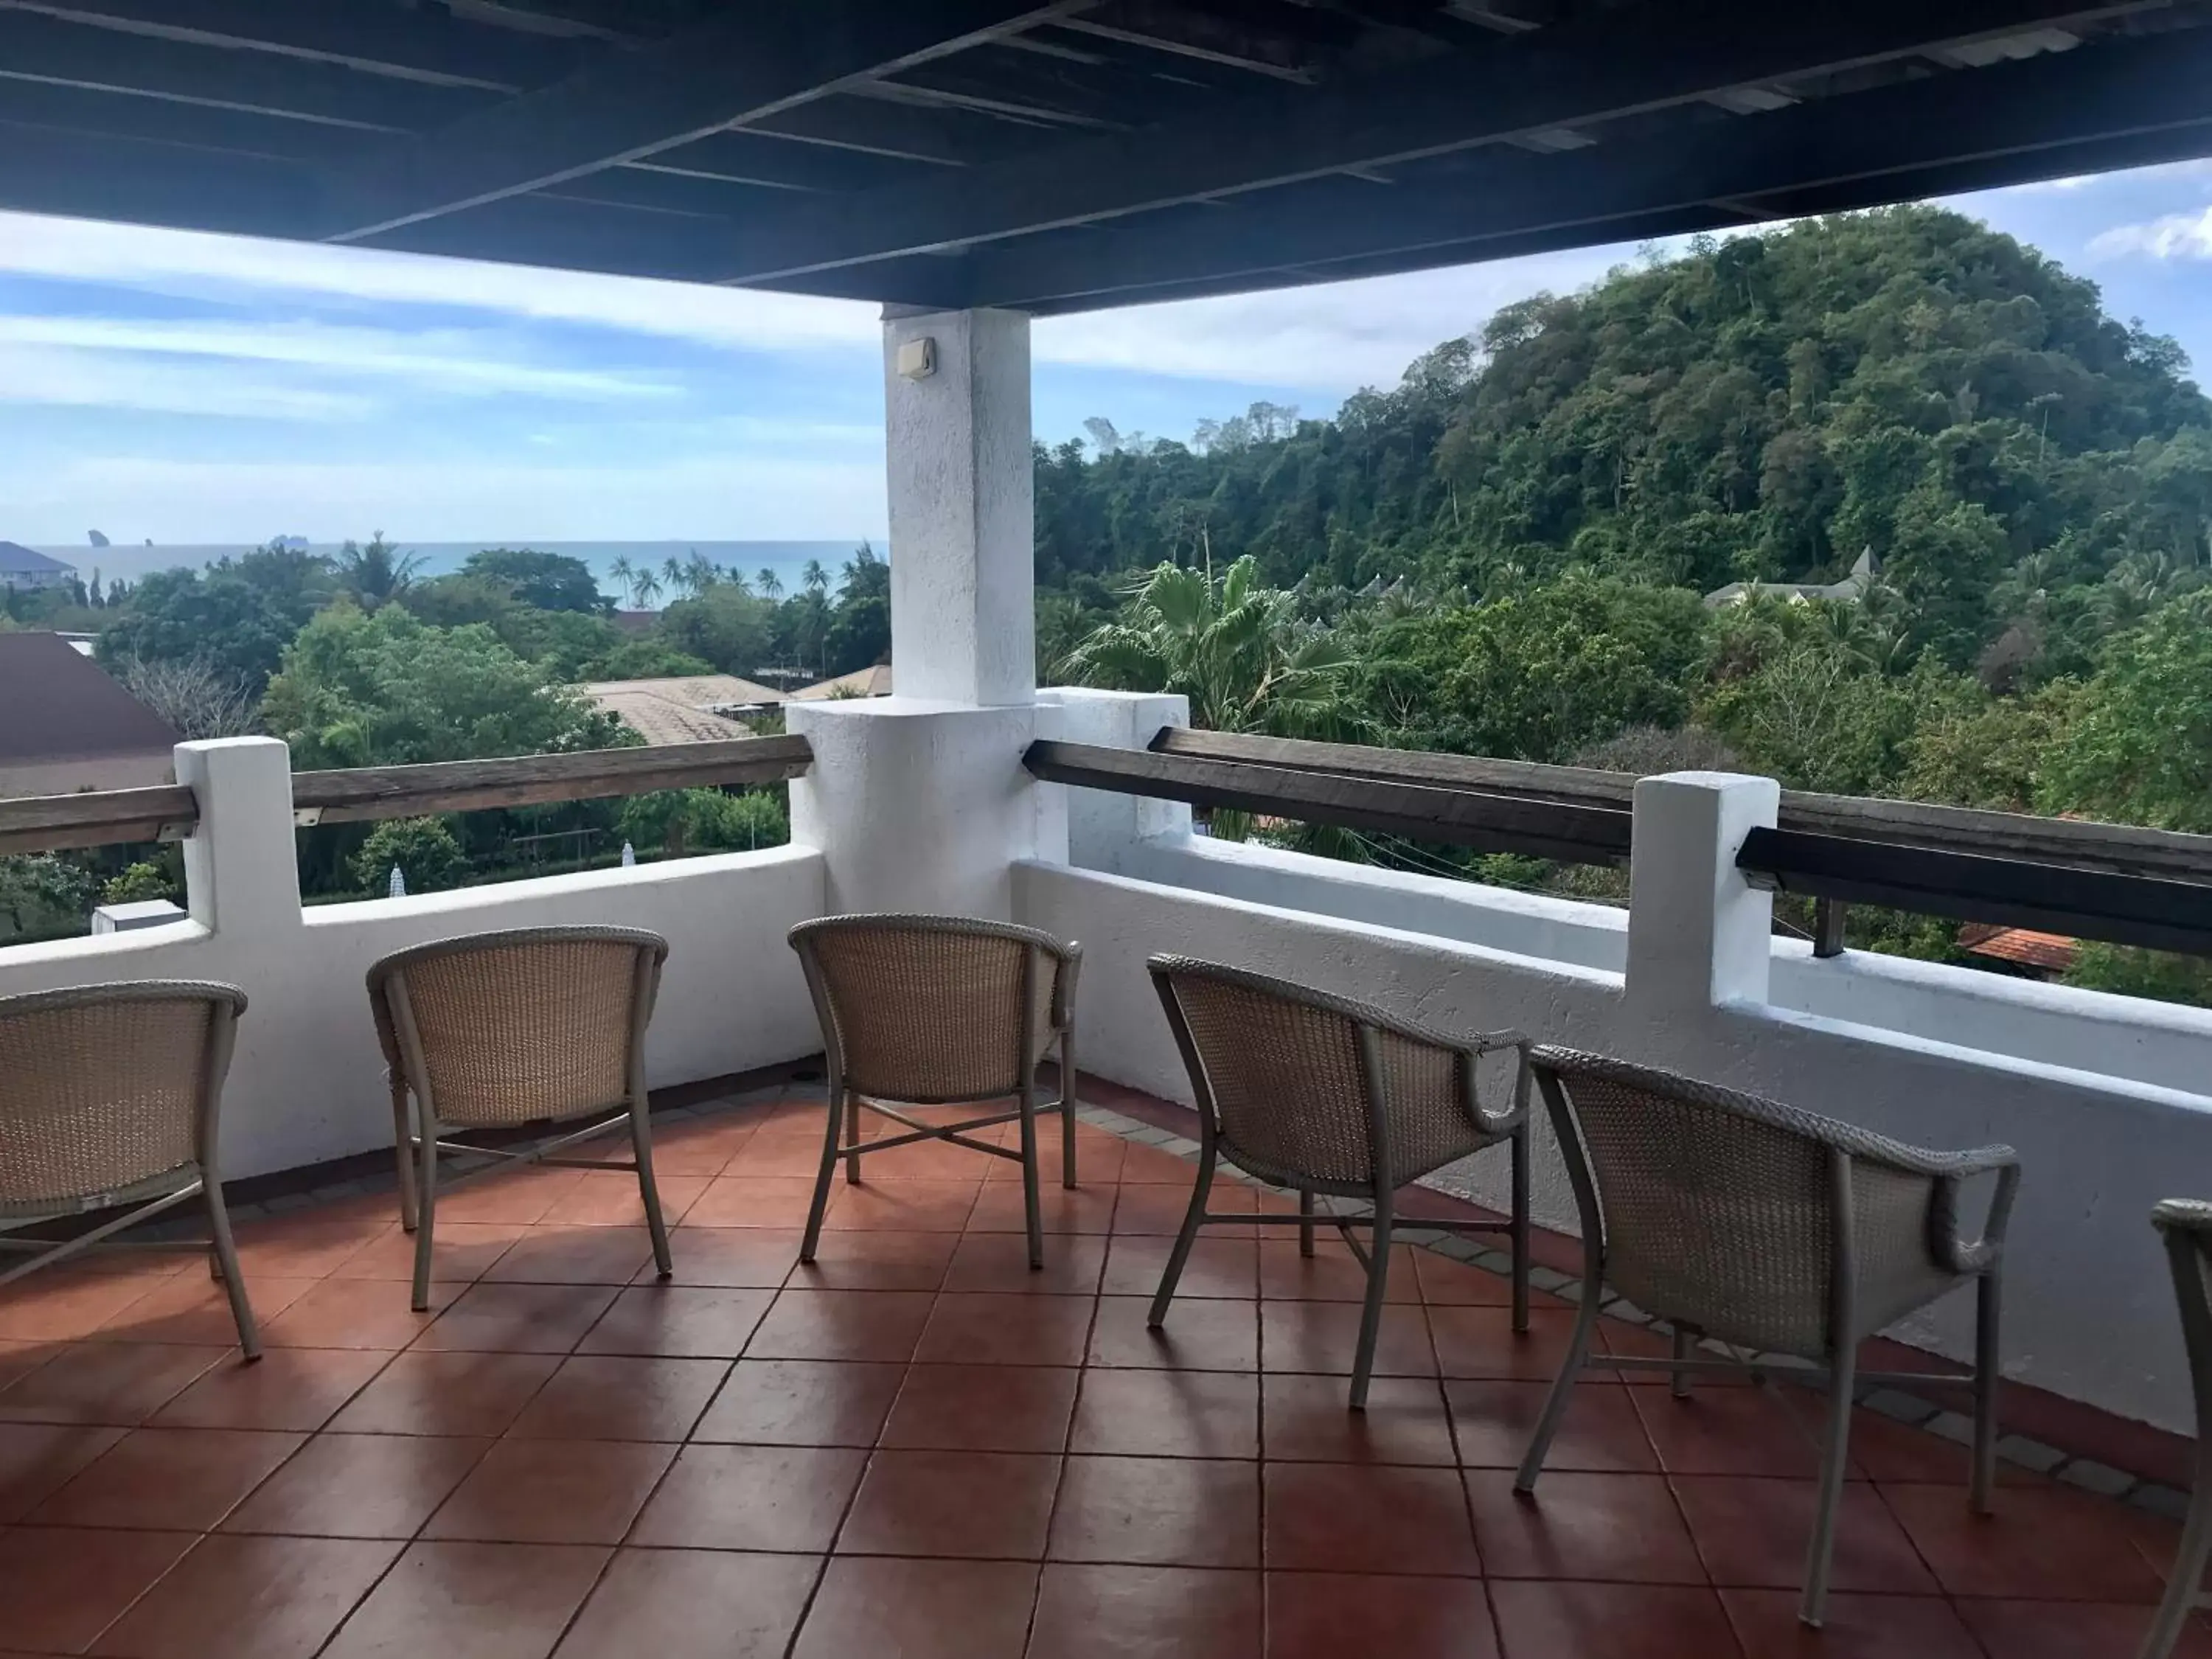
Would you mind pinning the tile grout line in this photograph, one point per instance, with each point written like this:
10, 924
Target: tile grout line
1614, 1308
2084, 1474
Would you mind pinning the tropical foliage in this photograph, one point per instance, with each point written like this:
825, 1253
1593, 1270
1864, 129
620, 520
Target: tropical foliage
1239, 650
1514, 548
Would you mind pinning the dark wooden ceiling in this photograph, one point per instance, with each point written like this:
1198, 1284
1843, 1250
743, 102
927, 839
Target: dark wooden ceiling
1065, 156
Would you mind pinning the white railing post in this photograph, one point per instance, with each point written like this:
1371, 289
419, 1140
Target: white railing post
1102, 827
1699, 935
241, 875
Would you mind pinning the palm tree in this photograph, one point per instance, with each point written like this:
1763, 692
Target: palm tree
623, 572
675, 574
1237, 650
700, 573
645, 587
770, 584
814, 577
376, 574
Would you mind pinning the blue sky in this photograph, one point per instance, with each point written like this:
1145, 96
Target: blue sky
201, 389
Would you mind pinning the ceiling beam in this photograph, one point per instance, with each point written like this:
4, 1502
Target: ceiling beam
1182, 31
1608, 64
751, 61
424, 44
572, 234
1944, 178
131, 181
2120, 103
34, 48
902, 132
161, 120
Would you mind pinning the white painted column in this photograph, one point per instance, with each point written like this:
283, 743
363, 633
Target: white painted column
920, 801
1699, 935
963, 519
241, 870
923, 805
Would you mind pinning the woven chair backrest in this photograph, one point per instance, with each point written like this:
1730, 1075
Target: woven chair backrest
1290, 1093
1711, 1217
521, 1027
930, 1009
102, 1089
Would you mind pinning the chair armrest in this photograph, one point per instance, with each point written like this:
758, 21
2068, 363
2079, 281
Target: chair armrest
2185, 1215
1516, 1115
1063, 983
1465, 1052
1946, 1242
1950, 1171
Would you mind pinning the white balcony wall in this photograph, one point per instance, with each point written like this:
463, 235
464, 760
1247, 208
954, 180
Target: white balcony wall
2130, 1037
308, 1080
2102, 1096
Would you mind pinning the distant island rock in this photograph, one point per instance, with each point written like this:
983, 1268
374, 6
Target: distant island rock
98, 540
288, 544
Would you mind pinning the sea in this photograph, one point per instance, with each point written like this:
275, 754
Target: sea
787, 559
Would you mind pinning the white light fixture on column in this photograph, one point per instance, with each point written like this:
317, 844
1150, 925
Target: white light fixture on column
917, 359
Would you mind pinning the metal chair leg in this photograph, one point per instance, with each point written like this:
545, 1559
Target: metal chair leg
1305, 1221
1562, 1388
426, 1198
1032, 1209
831, 1141
404, 1156
1520, 1231
1988, 1374
648, 1189
1067, 1113
1834, 1463
852, 1139
1684, 1347
234, 1281
2184, 1582
1191, 1219
1370, 1313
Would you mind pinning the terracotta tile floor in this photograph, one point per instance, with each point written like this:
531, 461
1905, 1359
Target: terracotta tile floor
918, 1444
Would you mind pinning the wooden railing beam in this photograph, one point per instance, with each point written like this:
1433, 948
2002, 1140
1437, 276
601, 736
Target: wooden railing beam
364, 793
43, 824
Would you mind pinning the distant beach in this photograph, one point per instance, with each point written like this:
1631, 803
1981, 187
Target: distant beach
787, 559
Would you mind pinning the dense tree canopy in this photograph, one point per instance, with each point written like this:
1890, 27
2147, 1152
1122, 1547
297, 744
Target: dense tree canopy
237, 613
1521, 548
387, 689
1907, 383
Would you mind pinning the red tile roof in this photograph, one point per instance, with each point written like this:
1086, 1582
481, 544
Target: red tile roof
2051, 952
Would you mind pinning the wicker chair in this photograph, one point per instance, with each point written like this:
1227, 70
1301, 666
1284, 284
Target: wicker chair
496, 1030
932, 1011
1333, 1097
1755, 1225
2186, 1225
112, 1094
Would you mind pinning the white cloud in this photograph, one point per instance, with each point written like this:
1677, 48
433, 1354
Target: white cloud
781, 498
2174, 236
193, 264
1333, 338
2200, 168
89, 380
449, 359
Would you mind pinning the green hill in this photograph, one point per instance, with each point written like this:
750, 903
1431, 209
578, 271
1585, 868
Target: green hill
1907, 382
